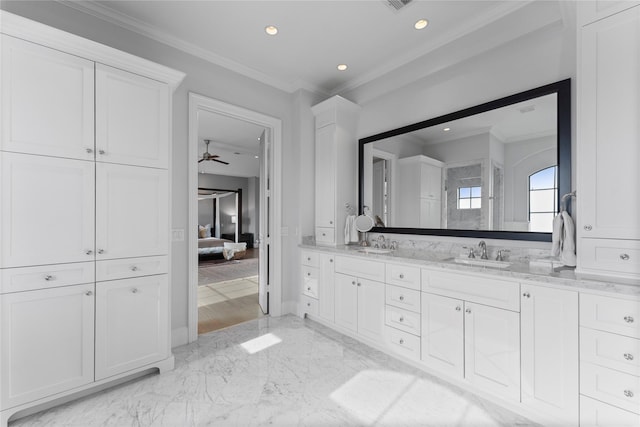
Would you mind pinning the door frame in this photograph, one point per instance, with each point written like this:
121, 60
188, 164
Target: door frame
197, 103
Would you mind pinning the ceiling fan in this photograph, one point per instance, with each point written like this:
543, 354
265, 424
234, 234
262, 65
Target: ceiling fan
208, 156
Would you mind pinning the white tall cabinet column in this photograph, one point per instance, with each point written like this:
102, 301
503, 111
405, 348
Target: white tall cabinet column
608, 152
84, 215
336, 167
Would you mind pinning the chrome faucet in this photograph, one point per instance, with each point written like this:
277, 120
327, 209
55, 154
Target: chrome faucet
382, 242
483, 249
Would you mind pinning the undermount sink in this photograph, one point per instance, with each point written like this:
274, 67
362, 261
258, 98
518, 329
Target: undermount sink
483, 262
374, 251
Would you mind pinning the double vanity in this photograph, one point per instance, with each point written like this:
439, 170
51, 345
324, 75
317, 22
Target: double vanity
557, 348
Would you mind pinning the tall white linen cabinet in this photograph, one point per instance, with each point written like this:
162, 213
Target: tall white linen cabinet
84, 216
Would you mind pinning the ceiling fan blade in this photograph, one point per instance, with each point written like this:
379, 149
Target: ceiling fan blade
220, 161
201, 160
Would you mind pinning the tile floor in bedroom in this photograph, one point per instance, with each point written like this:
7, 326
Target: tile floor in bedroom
284, 372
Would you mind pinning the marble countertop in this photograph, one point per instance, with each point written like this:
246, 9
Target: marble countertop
530, 271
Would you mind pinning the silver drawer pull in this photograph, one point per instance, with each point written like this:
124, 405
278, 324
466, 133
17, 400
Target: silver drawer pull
359, 284
624, 257
468, 310
330, 259
353, 282
101, 152
458, 308
309, 288
526, 295
330, 222
628, 319
588, 227
401, 276
134, 290
88, 252
88, 293
89, 150
401, 298
49, 278
308, 304
401, 319
134, 268
628, 393
401, 341
100, 251
308, 274
309, 258
628, 356
323, 234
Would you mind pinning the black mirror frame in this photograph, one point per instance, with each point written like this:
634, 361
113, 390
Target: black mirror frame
563, 91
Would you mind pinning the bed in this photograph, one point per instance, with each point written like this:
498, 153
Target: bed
208, 246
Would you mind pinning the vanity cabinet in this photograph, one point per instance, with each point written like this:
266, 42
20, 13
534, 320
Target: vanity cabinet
84, 225
402, 310
464, 337
608, 229
336, 170
420, 178
549, 349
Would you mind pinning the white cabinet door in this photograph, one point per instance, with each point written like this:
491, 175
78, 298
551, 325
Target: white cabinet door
132, 118
492, 350
326, 176
371, 312
46, 338
47, 210
132, 324
346, 298
431, 180
47, 101
132, 205
609, 108
430, 213
549, 339
443, 334
326, 288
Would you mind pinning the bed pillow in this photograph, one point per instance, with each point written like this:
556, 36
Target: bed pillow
201, 232
207, 230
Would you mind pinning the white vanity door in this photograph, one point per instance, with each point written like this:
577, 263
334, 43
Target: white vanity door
46, 338
443, 334
46, 210
492, 349
346, 298
47, 101
132, 119
326, 287
370, 309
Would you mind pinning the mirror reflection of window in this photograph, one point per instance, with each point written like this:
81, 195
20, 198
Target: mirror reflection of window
543, 200
469, 197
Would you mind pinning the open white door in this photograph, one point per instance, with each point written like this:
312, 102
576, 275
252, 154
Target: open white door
263, 232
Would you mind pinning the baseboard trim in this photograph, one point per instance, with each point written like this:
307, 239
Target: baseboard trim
179, 336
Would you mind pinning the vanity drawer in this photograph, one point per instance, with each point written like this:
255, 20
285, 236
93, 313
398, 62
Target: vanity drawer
617, 256
482, 290
363, 268
610, 350
325, 236
310, 258
610, 386
594, 413
310, 281
309, 305
402, 343
45, 276
114, 269
404, 320
610, 314
402, 298
402, 275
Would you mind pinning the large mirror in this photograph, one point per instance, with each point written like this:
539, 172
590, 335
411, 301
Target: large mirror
497, 170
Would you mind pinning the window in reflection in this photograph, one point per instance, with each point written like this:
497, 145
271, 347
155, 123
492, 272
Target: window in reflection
543, 200
469, 197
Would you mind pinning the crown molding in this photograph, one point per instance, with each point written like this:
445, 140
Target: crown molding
36, 32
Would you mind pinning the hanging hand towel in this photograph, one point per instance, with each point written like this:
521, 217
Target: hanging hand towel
350, 229
568, 253
558, 235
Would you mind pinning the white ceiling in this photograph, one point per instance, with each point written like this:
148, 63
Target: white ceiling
314, 35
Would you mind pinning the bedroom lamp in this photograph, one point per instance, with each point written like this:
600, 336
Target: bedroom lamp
234, 219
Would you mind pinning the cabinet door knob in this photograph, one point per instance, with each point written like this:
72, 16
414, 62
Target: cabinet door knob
628, 393
401, 298
401, 319
628, 319
401, 276
88, 293
308, 304
89, 150
100, 251
401, 341
526, 295
468, 310
134, 268
308, 288
330, 222
88, 252
330, 259
308, 258
308, 274
101, 152
48, 278
323, 234
134, 290
628, 356
624, 257
458, 308
359, 284
588, 227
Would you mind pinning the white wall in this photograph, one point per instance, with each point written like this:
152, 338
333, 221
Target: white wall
203, 78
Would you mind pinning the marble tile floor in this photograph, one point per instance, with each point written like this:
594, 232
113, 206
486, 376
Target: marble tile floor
282, 371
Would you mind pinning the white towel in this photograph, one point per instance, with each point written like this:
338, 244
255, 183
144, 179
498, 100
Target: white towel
350, 232
563, 239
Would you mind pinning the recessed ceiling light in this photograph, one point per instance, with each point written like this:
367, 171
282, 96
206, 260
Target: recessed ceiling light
420, 24
272, 30
342, 67
446, 129
256, 157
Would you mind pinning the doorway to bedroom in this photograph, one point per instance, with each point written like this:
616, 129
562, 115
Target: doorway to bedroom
230, 187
